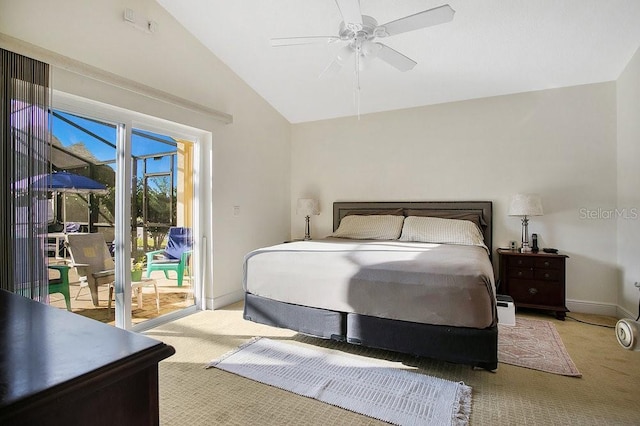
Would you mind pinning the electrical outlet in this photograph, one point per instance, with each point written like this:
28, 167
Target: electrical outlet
637, 284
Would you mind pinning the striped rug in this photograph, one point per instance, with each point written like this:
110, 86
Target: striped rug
352, 382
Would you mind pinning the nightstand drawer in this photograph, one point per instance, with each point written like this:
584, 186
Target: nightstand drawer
522, 273
519, 261
547, 274
536, 293
548, 263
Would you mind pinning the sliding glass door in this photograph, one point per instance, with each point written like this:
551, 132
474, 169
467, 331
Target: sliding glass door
143, 212
162, 225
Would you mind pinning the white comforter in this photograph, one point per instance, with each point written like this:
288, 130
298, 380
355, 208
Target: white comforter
426, 283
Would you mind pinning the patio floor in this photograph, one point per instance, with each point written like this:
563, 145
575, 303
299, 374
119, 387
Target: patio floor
172, 298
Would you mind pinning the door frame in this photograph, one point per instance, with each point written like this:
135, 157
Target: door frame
126, 121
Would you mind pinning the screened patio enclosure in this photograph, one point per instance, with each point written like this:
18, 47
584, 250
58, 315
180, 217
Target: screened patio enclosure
88, 150
159, 188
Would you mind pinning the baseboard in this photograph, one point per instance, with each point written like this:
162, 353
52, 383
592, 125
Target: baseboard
586, 307
623, 313
224, 300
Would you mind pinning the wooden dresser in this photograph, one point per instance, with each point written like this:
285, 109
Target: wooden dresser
534, 280
58, 368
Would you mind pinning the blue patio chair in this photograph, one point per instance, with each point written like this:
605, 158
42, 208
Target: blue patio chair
175, 257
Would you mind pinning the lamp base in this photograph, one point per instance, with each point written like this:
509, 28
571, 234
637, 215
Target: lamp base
525, 236
307, 233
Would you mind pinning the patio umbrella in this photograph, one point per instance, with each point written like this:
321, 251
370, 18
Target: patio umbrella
63, 182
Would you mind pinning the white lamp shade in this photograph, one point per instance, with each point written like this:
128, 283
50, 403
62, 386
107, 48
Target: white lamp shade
525, 205
308, 207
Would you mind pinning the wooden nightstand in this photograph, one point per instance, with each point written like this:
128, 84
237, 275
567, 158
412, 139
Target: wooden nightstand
534, 280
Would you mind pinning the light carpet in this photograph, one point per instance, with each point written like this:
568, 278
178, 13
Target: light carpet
535, 344
352, 382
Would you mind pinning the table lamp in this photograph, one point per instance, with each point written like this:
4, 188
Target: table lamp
308, 207
525, 205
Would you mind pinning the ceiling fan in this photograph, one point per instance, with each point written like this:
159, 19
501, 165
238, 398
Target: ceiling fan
360, 32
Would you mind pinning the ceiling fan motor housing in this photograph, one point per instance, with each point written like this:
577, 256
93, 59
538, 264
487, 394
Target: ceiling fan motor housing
628, 334
365, 32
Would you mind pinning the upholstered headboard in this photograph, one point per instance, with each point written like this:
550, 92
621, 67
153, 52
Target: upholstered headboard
448, 209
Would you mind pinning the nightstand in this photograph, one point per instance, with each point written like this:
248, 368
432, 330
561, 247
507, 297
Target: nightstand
534, 280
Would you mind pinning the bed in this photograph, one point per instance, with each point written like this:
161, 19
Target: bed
391, 289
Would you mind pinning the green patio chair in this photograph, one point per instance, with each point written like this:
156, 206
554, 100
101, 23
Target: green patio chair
175, 257
61, 284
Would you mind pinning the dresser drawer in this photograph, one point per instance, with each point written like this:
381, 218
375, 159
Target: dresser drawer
523, 273
547, 274
537, 292
548, 263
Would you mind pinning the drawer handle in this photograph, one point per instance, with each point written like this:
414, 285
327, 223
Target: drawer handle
533, 290
546, 263
519, 262
546, 275
519, 273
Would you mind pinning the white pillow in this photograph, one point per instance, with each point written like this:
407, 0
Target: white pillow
444, 231
370, 227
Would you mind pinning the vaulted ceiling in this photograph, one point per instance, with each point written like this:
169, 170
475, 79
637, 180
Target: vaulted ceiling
491, 47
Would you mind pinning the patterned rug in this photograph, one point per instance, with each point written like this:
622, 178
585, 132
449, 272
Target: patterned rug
354, 383
535, 344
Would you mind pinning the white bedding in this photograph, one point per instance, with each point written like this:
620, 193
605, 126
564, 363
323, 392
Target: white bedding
438, 284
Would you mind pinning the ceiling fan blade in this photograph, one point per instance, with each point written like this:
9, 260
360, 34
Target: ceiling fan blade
395, 58
351, 14
294, 41
336, 65
427, 18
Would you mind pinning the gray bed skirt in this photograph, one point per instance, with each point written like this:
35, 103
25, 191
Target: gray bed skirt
312, 321
475, 347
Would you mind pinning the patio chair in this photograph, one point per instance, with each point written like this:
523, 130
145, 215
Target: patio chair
61, 284
90, 256
175, 257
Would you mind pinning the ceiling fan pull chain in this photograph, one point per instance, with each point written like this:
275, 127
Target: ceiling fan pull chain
357, 71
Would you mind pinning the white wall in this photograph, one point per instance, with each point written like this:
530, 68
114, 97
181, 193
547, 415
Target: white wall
251, 157
628, 91
559, 143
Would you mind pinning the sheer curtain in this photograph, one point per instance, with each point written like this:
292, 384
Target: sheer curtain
24, 154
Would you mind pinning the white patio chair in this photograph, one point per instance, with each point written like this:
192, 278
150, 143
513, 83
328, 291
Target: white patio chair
90, 256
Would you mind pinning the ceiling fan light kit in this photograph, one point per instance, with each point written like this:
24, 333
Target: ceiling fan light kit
359, 32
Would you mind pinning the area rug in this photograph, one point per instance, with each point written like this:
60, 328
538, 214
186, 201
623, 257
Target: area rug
535, 344
351, 382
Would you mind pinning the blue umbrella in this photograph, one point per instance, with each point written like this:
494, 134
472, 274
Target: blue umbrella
62, 182
69, 182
